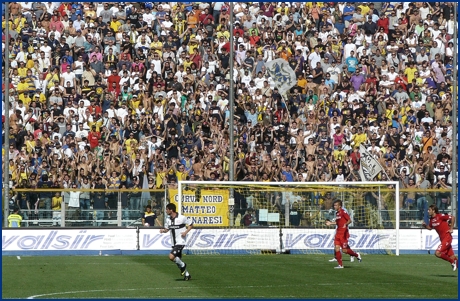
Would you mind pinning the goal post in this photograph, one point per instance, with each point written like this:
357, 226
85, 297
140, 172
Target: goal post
288, 216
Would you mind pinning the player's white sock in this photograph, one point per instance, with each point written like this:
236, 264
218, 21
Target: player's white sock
179, 262
186, 273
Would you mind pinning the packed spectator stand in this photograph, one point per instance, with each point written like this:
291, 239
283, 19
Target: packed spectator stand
102, 94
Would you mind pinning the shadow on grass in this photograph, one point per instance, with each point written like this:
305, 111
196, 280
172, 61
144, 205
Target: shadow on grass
445, 276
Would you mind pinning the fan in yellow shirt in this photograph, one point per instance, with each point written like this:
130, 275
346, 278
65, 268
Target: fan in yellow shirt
364, 9
30, 64
97, 123
41, 97
389, 113
30, 145
14, 219
359, 138
156, 46
336, 47
310, 4
19, 24
22, 89
339, 154
27, 100
283, 10
56, 202
223, 33
410, 73
51, 78
402, 111
180, 25
134, 103
188, 62
130, 143
160, 175
192, 45
9, 23
115, 24
22, 69
260, 50
302, 82
181, 176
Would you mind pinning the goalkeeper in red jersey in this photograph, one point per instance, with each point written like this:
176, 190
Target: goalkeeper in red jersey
440, 222
342, 220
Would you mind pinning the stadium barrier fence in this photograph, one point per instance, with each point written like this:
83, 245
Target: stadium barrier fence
309, 210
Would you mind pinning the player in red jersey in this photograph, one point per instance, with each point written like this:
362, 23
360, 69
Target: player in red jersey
342, 220
440, 222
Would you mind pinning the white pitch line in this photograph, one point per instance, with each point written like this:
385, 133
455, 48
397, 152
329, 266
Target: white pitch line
192, 287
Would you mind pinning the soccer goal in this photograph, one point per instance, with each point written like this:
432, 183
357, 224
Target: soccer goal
287, 217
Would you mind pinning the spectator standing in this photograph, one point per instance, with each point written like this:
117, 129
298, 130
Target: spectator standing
14, 219
361, 91
149, 217
99, 202
45, 197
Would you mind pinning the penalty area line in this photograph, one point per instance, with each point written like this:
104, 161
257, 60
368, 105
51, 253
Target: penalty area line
155, 288
193, 287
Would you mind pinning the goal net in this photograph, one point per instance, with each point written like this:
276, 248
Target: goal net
287, 217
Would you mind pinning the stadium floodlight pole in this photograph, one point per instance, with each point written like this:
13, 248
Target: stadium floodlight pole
231, 100
6, 170
454, 120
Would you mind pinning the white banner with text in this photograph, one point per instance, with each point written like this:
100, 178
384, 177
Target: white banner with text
213, 239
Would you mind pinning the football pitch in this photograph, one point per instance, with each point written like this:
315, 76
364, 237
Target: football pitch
228, 276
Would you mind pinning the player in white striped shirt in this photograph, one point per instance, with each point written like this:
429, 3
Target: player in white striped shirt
179, 226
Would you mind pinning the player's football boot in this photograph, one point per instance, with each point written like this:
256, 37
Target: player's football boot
454, 266
338, 267
359, 257
187, 278
183, 269
332, 260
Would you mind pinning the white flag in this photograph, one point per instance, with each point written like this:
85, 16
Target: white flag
282, 74
145, 195
370, 167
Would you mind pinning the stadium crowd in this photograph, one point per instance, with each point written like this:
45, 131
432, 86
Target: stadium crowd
103, 93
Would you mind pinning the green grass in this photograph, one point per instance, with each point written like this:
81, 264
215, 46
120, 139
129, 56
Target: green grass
228, 276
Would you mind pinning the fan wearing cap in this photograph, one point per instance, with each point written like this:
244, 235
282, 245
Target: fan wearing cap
283, 51
238, 31
311, 88
193, 17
